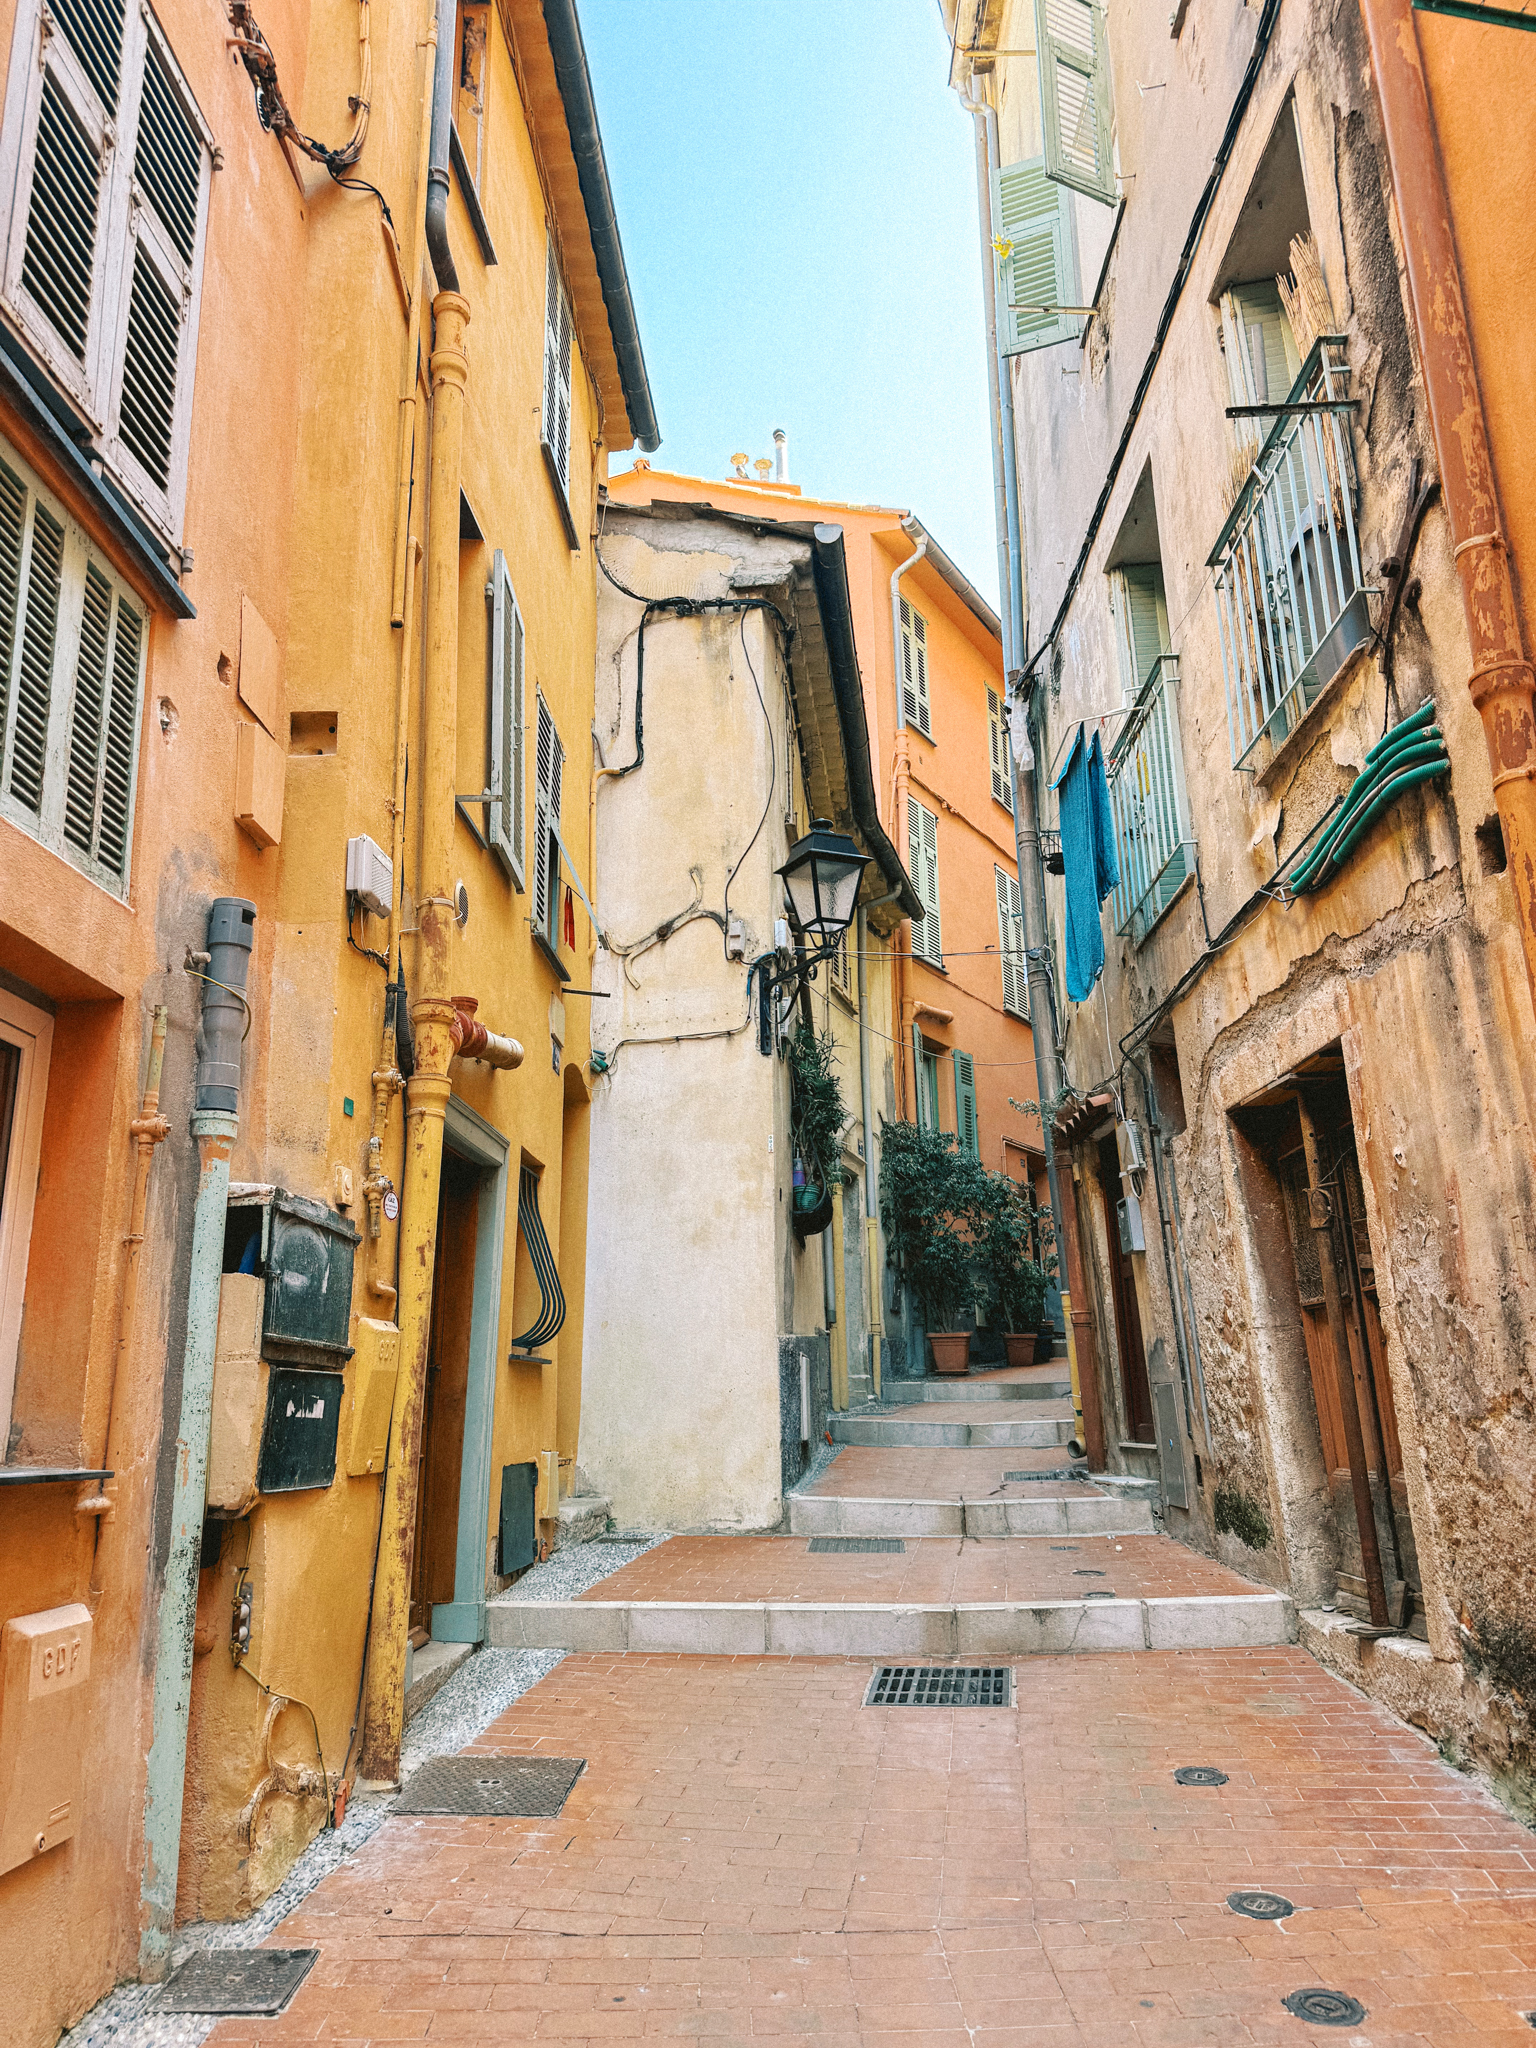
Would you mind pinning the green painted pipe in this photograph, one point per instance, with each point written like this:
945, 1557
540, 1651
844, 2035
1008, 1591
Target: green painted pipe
1403, 727
1378, 803
1416, 747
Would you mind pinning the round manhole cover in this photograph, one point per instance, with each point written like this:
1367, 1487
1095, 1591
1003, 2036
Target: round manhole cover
1199, 1774
1260, 1905
1325, 2008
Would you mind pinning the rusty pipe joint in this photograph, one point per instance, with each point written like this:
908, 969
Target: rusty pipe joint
472, 1040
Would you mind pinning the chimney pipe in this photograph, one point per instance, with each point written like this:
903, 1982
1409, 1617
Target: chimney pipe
780, 456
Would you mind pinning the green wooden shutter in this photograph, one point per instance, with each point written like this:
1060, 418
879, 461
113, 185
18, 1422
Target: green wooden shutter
1010, 943
1000, 750
1146, 618
508, 768
919, 1078
1036, 259
965, 1105
1073, 47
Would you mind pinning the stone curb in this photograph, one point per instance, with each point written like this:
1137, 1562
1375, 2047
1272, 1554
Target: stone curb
918, 1433
826, 1514
908, 1393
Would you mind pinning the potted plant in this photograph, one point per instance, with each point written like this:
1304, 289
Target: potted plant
818, 1119
1018, 1277
935, 1202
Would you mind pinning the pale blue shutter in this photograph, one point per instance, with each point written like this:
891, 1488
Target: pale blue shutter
1073, 47
1000, 749
508, 762
1036, 259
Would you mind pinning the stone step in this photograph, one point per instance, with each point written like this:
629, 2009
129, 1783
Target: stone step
918, 1431
804, 1628
1081, 1514
903, 1392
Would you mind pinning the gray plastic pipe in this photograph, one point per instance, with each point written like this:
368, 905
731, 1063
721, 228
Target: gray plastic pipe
443, 267
215, 1125
896, 575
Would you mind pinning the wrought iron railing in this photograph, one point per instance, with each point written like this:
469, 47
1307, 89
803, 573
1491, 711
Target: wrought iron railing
1148, 804
1289, 599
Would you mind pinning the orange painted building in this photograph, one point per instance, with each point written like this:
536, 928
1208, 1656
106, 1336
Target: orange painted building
962, 1053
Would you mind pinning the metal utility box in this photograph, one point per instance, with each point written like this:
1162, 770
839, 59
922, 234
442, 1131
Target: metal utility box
298, 1438
375, 1366
45, 1663
309, 1282
518, 1539
239, 1376
1133, 1237
1170, 1443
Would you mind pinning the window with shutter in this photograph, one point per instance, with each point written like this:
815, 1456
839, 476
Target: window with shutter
111, 165
923, 865
1143, 617
508, 766
920, 1080
965, 1105
548, 766
1010, 943
914, 670
1036, 259
1001, 748
72, 645
1075, 109
557, 370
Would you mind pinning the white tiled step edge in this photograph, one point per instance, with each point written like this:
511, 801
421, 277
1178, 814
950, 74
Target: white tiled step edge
918, 1432
908, 1392
825, 1514
803, 1628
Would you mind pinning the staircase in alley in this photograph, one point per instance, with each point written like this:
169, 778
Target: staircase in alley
953, 1522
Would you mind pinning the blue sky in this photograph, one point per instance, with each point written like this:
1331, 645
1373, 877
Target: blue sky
796, 189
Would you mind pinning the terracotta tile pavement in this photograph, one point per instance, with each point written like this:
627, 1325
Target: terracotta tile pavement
751, 1853
932, 1569
949, 1475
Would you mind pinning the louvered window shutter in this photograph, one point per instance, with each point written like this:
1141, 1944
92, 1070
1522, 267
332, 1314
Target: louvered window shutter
923, 863
108, 214
914, 669
920, 1079
1146, 619
548, 769
965, 1105
1010, 943
1074, 95
1037, 259
72, 644
557, 369
1001, 750
507, 762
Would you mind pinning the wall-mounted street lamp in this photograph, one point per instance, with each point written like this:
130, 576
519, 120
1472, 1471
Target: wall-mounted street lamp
822, 877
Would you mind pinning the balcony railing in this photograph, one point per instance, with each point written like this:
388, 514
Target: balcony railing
1287, 566
1149, 806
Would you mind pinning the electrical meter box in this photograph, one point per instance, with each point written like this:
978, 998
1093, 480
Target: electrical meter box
309, 1283
45, 1666
374, 1370
298, 1437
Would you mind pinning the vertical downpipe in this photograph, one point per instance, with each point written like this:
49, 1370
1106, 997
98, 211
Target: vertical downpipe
215, 1125
871, 1182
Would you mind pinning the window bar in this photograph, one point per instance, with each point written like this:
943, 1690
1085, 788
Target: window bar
547, 1323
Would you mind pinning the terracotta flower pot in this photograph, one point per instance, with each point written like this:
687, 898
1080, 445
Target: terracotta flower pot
951, 1350
1020, 1346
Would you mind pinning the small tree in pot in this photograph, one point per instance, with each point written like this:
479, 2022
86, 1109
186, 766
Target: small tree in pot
936, 1202
1018, 1277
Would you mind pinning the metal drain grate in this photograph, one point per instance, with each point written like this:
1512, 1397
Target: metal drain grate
1260, 1905
1325, 2008
854, 1546
501, 1787
941, 1685
1199, 1774
1085, 1571
258, 1981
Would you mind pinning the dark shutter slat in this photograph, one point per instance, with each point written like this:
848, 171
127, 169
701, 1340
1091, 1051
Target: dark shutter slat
168, 158
85, 721
34, 687
148, 406
13, 527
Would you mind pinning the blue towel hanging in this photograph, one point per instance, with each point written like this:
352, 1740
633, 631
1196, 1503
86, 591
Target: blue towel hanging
1088, 857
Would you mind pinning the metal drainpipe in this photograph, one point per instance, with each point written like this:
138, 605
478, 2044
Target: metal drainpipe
215, 1125
1501, 678
443, 268
898, 823
871, 1185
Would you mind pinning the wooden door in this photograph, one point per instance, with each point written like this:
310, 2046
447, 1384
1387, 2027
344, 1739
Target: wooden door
442, 1427
1133, 1357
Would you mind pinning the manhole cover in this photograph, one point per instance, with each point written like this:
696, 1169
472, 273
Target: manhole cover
247, 1980
851, 1546
526, 1787
1199, 1774
1325, 2008
1260, 1905
941, 1685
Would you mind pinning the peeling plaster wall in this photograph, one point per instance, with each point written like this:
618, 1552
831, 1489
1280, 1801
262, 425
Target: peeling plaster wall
1410, 958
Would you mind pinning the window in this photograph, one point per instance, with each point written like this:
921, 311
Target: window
1141, 611
965, 1105
923, 865
556, 430
111, 166
838, 967
1074, 95
1001, 749
1262, 362
925, 1082
26, 1037
72, 642
1010, 943
546, 829
1036, 259
914, 670
508, 766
